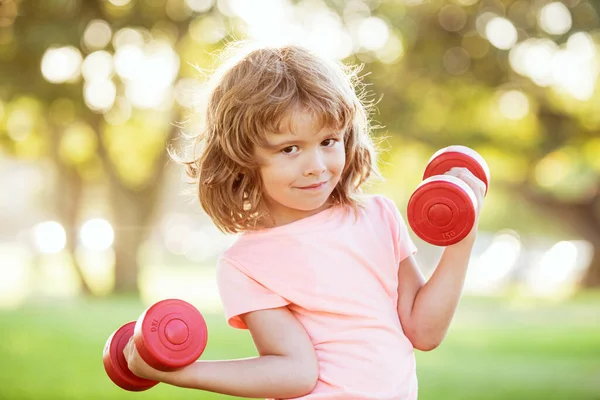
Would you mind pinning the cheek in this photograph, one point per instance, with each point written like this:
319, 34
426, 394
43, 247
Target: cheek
339, 161
275, 175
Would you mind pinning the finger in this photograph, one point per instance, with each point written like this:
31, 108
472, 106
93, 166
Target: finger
128, 350
464, 174
475, 184
468, 176
479, 186
454, 171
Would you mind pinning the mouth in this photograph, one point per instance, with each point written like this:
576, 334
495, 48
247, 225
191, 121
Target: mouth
313, 186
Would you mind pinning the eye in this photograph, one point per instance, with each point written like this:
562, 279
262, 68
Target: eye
290, 150
329, 142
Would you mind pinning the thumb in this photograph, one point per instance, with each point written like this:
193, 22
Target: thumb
127, 350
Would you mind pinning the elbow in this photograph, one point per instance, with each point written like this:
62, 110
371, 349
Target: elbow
305, 387
425, 341
300, 379
306, 378
427, 345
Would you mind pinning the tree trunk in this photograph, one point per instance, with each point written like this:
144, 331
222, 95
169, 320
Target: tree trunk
67, 201
132, 211
585, 222
580, 218
591, 279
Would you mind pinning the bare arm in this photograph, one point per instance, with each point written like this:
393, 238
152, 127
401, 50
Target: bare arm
287, 365
426, 309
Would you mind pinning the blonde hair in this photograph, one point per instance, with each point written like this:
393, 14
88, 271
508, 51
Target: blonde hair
251, 96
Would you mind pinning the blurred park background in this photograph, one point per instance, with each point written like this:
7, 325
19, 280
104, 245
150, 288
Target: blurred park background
96, 222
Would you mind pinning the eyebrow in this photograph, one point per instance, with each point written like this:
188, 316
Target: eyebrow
299, 141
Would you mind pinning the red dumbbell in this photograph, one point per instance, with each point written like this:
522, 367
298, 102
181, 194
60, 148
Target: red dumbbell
169, 335
443, 208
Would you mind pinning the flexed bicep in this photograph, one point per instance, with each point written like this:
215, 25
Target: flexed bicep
278, 332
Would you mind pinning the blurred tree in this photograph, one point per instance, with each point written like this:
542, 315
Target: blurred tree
517, 81
68, 98
514, 79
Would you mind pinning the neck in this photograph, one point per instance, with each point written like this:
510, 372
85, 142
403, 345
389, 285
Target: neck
289, 216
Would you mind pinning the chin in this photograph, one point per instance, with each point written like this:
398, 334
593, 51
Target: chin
310, 208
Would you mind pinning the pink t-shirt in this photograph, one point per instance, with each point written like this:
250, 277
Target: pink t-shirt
339, 276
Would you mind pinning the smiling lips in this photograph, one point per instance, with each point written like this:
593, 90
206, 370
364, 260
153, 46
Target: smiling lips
313, 186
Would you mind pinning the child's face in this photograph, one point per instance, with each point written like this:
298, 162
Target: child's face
300, 170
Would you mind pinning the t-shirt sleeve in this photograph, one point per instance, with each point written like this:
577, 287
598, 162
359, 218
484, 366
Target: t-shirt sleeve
240, 293
403, 243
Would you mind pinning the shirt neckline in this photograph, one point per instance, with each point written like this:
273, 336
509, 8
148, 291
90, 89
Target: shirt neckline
299, 226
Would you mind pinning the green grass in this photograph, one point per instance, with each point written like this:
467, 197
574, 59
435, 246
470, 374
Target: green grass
495, 349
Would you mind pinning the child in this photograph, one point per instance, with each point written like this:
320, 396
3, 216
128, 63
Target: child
323, 277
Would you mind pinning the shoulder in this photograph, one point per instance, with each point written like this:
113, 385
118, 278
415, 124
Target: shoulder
379, 204
251, 253
251, 242
383, 211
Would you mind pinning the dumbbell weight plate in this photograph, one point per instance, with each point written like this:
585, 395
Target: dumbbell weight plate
458, 156
442, 210
116, 365
170, 334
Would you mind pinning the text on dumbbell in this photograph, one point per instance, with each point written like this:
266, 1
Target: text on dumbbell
448, 235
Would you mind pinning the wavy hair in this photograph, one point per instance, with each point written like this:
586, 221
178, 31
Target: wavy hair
251, 95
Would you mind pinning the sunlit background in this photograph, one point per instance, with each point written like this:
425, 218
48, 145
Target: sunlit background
91, 93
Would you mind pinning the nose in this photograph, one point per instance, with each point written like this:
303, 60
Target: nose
315, 163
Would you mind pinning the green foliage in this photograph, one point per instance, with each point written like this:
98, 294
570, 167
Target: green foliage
446, 88
450, 84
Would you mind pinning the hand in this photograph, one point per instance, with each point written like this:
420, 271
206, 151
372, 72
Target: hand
476, 184
137, 365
